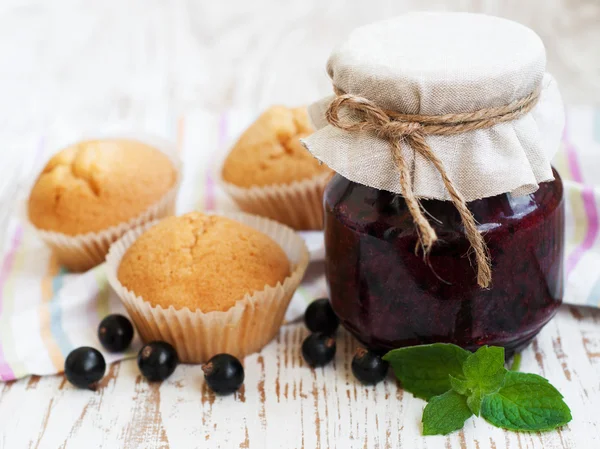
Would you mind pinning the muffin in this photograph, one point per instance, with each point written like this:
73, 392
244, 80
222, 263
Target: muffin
269, 172
90, 193
208, 283
202, 262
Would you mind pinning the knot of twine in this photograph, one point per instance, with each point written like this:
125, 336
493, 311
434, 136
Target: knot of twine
364, 115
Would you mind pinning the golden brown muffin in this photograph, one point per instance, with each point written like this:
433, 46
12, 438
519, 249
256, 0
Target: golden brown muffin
269, 152
204, 262
96, 184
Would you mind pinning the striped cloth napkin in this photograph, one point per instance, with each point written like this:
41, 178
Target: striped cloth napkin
45, 312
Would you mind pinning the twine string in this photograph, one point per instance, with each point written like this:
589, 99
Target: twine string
363, 115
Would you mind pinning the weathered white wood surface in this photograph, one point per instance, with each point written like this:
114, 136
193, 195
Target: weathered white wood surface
77, 64
285, 404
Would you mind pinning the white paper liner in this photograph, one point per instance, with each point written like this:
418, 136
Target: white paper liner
84, 251
298, 204
197, 336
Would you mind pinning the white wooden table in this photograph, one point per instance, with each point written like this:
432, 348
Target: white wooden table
285, 404
68, 65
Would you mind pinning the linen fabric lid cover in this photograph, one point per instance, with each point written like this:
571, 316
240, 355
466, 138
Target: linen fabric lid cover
441, 63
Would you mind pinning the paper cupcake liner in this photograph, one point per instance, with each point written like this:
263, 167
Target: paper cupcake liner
299, 204
197, 336
85, 251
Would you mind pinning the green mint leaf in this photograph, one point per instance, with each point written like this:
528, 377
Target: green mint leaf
424, 370
485, 370
526, 402
461, 386
517, 377
445, 413
474, 401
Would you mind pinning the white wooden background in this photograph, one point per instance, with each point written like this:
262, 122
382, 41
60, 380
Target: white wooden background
68, 65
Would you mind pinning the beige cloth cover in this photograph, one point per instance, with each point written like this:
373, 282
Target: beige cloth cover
440, 63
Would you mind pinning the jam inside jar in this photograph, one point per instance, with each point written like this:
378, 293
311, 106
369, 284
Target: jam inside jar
387, 296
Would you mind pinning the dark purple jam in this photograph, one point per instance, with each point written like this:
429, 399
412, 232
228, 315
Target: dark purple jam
388, 297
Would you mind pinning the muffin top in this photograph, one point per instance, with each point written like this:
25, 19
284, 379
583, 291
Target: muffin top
204, 262
269, 151
96, 184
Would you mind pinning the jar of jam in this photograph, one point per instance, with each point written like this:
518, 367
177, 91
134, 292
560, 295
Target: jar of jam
445, 220
389, 297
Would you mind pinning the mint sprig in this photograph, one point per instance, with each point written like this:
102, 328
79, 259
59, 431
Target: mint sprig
484, 372
459, 384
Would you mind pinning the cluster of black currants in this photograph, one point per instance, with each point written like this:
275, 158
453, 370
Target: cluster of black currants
157, 360
318, 349
85, 366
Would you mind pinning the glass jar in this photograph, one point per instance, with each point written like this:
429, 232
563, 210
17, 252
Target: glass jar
388, 296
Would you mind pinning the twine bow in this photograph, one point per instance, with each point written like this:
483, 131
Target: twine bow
365, 116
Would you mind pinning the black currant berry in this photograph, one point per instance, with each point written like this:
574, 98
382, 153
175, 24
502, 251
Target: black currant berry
84, 367
320, 317
368, 367
115, 333
157, 360
318, 349
224, 374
